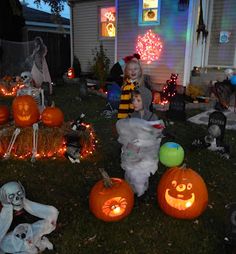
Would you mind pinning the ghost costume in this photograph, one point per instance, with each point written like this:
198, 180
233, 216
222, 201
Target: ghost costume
25, 238
140, 146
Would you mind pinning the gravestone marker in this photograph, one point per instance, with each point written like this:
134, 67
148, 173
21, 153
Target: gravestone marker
177, 108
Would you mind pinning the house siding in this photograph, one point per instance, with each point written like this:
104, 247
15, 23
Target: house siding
172, 31
86, 32
224, 19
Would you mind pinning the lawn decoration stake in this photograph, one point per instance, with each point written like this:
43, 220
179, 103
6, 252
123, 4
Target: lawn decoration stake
25, 238
201, 26
140, 141
111, 199
182, 193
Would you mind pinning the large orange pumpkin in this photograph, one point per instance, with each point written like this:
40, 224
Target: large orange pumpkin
111, 203
4, 114
182, 193
52, 117
25, 111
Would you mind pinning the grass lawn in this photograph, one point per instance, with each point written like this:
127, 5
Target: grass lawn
147, 229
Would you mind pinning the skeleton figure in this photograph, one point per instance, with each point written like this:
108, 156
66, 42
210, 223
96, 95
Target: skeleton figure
25, 238
28, 89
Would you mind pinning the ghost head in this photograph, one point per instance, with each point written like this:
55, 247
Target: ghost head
26, 77
12, 193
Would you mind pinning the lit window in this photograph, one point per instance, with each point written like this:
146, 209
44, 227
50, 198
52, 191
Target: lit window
108, 22
149, 12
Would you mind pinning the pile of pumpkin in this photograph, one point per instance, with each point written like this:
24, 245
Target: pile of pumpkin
181, 191
52, 129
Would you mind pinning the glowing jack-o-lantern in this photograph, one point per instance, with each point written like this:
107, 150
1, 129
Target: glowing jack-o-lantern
4, 114
71, 73
111, 203
182, 193
52, 116
25, 111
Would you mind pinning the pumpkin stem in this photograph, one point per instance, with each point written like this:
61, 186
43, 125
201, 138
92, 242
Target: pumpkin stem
106, 178
183, 166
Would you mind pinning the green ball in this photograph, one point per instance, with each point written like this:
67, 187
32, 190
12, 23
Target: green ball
171, 154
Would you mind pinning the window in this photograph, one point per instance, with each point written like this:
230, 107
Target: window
149, 12
108, 22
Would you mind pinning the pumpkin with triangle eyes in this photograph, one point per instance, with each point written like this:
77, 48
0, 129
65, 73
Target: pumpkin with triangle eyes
25, 111
182, 193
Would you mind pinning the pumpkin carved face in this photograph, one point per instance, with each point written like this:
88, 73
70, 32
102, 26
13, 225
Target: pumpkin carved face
182, 193
25, 111
112, 203
52, 117
4, 114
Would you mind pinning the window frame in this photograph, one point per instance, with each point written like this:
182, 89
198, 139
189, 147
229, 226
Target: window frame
100, 23
149, 23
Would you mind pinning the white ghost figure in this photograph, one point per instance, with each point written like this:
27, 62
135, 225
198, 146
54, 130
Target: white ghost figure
25, 238
140, 146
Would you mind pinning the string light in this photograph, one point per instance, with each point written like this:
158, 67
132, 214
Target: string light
149, 46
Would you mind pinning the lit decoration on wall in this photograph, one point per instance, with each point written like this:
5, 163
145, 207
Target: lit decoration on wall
149, 46
182, 193
111, 199
108, 20
110, 16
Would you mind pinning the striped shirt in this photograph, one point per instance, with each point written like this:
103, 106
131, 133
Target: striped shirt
126, 105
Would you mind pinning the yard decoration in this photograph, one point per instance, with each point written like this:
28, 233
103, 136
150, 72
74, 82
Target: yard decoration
71, 73
111, 199
25, 111
4, 114
52, 116
170, 89
171, 154
25, 237
182, 193
149, 46
230, 227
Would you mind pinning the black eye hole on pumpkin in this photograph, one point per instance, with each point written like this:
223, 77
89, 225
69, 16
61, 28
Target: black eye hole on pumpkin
189, 186
174, 183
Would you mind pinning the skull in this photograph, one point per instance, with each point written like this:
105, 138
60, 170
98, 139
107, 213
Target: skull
214, 131
13, 193
26, 77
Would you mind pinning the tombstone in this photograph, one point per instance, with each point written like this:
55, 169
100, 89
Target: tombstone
218, 118
177, 108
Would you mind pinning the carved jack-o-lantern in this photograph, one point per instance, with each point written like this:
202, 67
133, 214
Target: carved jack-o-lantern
111, 203
52, 117
71, 73
25, 111
182, 193
4, 114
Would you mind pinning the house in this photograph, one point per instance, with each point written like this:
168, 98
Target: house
55, 32
119, 23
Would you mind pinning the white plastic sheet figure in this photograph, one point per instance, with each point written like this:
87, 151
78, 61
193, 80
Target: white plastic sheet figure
25, 238
140, 141
40, 70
